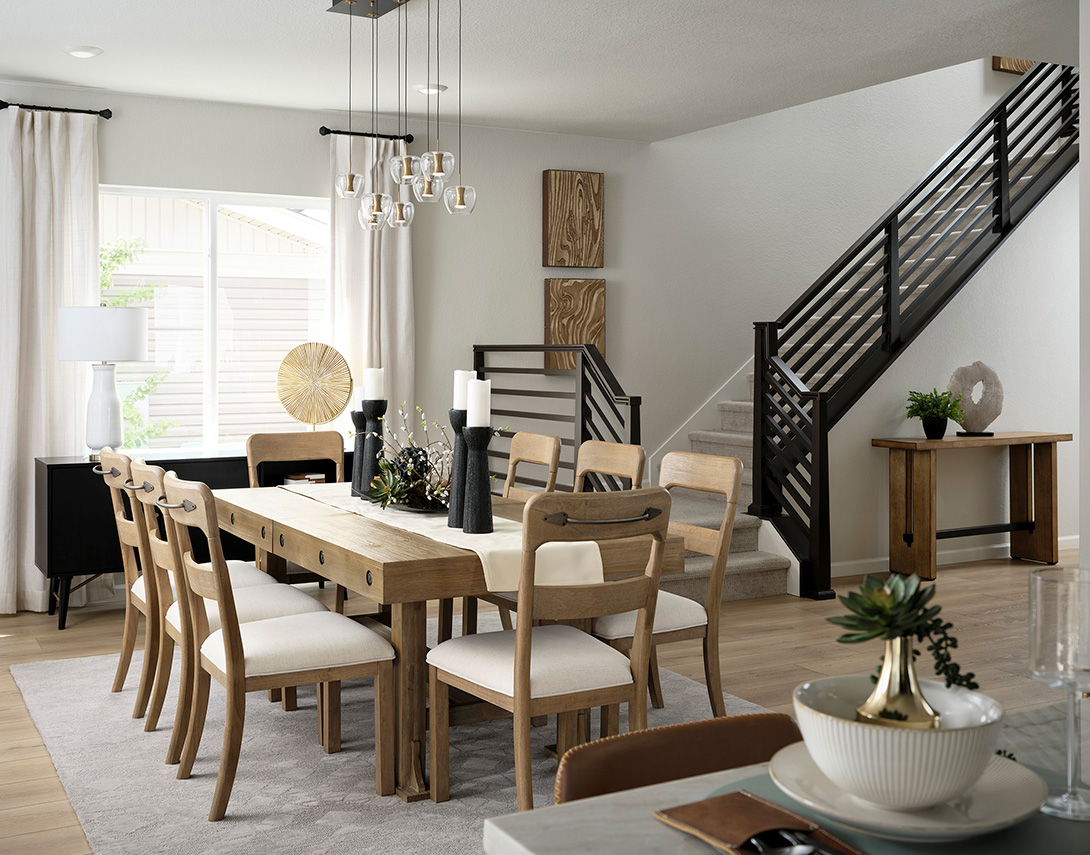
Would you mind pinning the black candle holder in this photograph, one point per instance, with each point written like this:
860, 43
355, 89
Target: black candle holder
477, 515
456, 503
368, 423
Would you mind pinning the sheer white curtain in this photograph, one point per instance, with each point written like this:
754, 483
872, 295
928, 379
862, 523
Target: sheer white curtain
48, 259
372, 276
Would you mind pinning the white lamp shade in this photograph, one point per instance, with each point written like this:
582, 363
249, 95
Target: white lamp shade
102, 334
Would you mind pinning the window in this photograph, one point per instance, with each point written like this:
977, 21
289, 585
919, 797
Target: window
225, 306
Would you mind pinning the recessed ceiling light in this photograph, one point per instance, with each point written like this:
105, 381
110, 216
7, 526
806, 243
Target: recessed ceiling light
83, 51
433, 89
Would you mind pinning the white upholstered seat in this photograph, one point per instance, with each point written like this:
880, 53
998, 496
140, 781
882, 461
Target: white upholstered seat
673, 612
259, 602
563, 661
244, 574
301, 642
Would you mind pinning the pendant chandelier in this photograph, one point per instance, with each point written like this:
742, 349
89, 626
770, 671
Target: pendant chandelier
459, 199
428, 185
376, 208
403, 167
349, 185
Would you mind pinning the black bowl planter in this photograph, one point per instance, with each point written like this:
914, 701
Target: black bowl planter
934, 427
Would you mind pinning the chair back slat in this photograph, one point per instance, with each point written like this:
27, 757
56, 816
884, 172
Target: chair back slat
537, 448
570, 602
286, 447
617, 459
697, 538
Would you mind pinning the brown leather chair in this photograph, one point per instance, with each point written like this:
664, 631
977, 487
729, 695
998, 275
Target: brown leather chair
645, 757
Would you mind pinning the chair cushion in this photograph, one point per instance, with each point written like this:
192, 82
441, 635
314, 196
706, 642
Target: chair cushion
259, 602
244, 574
283, 645
563, 661
138, 587
672, 612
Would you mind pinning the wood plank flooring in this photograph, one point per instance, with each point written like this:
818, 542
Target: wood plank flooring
767, 647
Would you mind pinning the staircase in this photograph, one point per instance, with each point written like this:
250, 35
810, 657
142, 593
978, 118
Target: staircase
820, 356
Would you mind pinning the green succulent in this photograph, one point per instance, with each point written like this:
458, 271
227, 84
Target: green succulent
898, 608
390, 485
934, 405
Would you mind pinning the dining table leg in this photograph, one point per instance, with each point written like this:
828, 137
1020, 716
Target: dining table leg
408, 627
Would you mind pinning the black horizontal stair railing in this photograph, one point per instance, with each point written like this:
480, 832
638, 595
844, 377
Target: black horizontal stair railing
580, 403
823, 353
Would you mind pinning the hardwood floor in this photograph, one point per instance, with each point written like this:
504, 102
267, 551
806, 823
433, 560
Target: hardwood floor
767, 647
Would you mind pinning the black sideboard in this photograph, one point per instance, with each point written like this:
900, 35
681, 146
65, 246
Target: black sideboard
74, 526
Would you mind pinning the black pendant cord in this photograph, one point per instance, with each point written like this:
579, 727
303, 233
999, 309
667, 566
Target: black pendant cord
105, 114
427, 45
350, 17
438, 72
460, 93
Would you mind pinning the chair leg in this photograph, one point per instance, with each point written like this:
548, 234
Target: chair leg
637, 713
342, 595
505, 617
162, 680
147, 670
653, 679
320, 692
201, 683
524, 782
611, 720
713, 676
385, 751
446, 619
567, 729
128, 644
330, 715
439, 736
290, 702
232, 744
184, 710
275, 696
469, 615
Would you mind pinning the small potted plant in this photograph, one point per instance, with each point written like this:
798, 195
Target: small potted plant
934, 408
897, 612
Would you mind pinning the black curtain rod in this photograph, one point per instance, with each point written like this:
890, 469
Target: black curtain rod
324, 131
104, 113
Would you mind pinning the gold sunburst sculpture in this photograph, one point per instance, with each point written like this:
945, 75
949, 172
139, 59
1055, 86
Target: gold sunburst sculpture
314, 384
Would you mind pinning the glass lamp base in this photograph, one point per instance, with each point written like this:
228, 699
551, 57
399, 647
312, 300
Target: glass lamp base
1065, 805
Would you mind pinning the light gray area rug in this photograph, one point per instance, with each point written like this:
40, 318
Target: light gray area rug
289, 796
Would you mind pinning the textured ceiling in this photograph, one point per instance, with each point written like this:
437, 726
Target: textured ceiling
616, 68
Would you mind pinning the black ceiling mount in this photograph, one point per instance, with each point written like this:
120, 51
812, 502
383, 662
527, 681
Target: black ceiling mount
366, 8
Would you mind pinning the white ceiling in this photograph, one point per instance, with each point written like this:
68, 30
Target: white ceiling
635, 69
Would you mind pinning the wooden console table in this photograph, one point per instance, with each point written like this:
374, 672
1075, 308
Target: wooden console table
912, 530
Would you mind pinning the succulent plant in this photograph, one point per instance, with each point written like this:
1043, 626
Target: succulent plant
899, 607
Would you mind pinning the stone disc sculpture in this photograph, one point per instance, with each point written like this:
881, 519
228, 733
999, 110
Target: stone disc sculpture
978, 414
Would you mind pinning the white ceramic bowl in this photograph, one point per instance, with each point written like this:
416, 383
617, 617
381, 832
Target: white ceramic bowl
891, 766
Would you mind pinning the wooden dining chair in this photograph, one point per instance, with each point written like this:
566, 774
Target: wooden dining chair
265, 599
317, 647
678, 618
536, 670
610, 459
526, 448
630, 760
141, 592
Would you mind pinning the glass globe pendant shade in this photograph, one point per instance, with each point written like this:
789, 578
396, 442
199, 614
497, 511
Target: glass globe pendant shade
460, 199
402, 215
349, 185
375, 210
437, 164
428, 188
404, 168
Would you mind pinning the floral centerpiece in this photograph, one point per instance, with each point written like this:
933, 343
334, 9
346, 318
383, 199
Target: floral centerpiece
414, 471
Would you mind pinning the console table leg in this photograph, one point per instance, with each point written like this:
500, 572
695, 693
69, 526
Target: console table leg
64, 590
912, 512
1034, 497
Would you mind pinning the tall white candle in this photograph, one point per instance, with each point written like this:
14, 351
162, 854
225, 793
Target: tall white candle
461, 385
479, 403
374, 384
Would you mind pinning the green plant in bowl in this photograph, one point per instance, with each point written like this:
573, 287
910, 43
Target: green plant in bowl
933, 409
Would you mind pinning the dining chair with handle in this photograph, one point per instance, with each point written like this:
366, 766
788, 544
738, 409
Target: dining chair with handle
529, 671
257, 597
322, 647
679, 618
630, 760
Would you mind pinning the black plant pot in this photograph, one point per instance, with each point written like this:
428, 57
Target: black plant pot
934, 427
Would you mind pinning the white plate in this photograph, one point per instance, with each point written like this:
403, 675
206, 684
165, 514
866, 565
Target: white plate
1006, 794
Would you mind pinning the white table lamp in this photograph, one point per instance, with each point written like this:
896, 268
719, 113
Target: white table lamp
102, 335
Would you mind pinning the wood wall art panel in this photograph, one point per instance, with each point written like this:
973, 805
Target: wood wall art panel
572, 219
575, 313
1011, 65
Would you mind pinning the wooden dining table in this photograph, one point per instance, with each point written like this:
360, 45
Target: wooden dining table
391, 567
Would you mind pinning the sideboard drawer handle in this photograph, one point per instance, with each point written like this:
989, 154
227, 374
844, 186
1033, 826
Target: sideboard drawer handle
262, 532
281, 540
232, 517
321, 557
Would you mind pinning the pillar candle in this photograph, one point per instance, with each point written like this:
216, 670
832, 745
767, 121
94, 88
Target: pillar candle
373, 384
479, 403
461, 384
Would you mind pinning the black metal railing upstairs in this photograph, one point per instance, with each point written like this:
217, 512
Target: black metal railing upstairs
814, 362
565, 390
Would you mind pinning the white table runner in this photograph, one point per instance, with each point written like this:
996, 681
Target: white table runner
500, 551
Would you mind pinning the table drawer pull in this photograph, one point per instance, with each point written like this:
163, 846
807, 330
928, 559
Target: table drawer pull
368, 578
232, 517
281, 540
321, 557
262, 532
